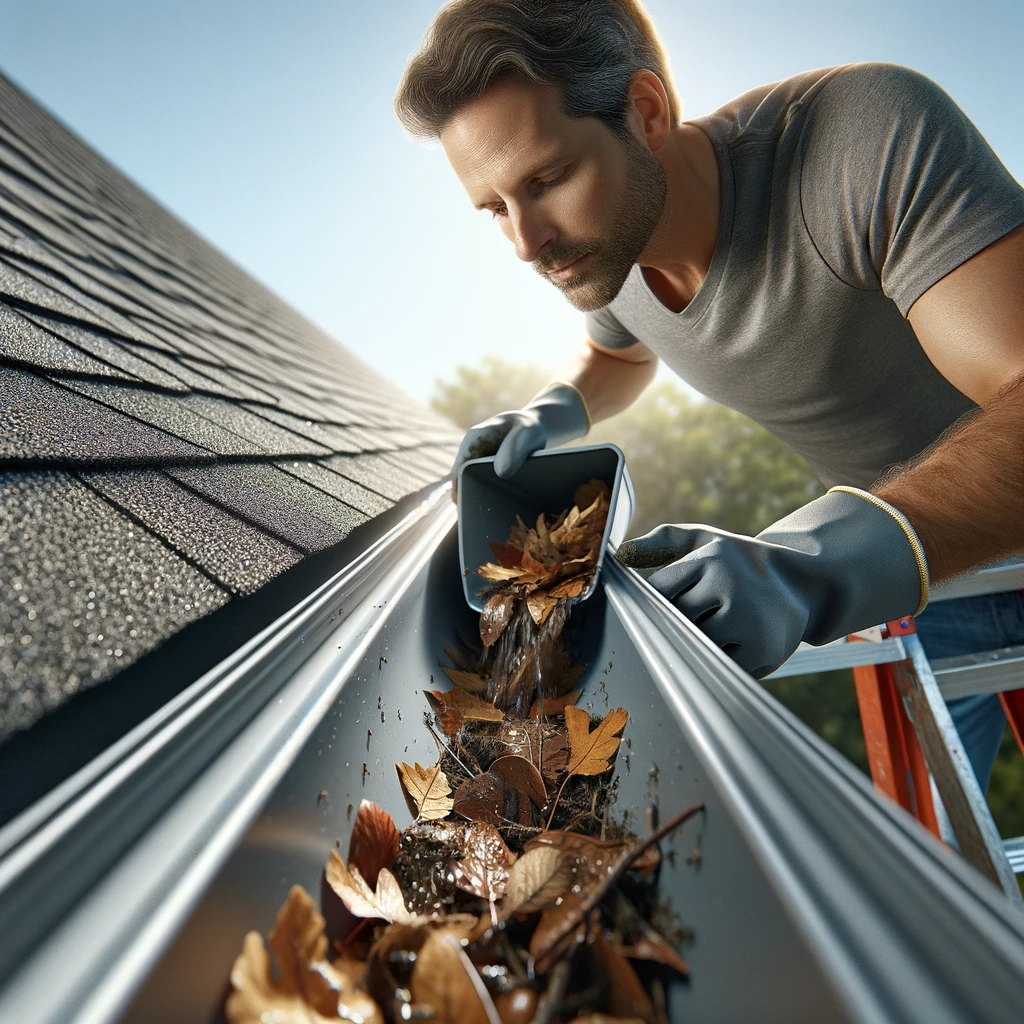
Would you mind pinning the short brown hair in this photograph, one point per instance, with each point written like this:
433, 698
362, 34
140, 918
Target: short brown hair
591, 48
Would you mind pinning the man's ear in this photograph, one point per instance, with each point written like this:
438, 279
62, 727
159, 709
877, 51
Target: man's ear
648, 111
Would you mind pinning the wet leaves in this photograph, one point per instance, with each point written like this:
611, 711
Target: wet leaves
308, 990
427, 791
483, 868
446, 980
591, 751
385, 901
456, 707
374, 841
497, 612
538, 878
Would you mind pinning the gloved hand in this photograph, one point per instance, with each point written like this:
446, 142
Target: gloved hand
557, 414
844, 562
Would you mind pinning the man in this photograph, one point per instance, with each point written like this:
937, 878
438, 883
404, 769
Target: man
839, 255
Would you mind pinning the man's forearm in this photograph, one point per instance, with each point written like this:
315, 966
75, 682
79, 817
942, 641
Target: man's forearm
609, 384
965, 495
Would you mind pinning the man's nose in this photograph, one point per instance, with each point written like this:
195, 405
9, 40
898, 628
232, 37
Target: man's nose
531, 234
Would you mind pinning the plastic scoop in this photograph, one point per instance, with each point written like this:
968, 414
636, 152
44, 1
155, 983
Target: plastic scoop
488, 505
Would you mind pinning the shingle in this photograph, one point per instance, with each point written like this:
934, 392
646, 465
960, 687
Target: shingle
169, 413
411, 461
108, 350
232, 383
279, 503
334, 438
256, 429
348, 491
375, 473
85, 593
23, 342
237, 554
41, 420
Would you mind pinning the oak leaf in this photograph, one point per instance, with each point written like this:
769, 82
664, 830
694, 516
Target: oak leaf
427, 791
385, 901
590, 751
374, 841
455, 706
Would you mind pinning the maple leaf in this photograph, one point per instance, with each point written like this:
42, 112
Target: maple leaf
427, 791
590, 752
471, 682
385, 901
310, 990
454, 707
538, 878
374, 841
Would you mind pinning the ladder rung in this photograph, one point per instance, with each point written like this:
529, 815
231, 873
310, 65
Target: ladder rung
1015, 854
988, 672
840, 654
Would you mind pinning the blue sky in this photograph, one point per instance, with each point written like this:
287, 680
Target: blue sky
267, 126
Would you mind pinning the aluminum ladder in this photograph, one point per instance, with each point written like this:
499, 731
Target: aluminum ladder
909, 733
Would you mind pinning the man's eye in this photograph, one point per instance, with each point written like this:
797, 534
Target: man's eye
498, 211
553, 180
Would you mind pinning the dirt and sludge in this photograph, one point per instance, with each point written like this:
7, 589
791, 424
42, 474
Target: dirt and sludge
514, 895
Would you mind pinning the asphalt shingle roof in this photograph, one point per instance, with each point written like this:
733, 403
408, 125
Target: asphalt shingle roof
173, 437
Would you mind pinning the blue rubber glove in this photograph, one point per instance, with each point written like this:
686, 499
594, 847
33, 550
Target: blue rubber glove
842, 563
557, 414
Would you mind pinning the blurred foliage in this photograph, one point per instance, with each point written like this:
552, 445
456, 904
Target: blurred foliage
695, 461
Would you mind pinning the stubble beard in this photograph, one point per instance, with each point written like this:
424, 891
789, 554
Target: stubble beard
597, 283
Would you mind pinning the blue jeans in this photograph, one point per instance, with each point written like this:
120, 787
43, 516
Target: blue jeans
968, 625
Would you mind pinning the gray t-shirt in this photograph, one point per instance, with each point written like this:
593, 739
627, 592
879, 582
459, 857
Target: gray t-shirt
846, 193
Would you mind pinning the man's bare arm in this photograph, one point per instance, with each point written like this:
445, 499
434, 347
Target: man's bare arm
965, 496
610, 380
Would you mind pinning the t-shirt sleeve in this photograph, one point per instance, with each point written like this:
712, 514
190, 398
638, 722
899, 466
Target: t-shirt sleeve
898, 187
604, 328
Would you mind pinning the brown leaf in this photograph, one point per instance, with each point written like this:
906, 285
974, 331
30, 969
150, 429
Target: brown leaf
441, 979
374, 841
537, 878
427, 791
462, 660
522, 775
586, 494
534, 565
652, 946
484, 865
588, 860
553, 706
540, 606
310, 990
508, 556
590, 752
385, 902
471, 682
545, 939
454, 707
540, 742
627, 996
490, 571
569, 588
482, 799
495, 617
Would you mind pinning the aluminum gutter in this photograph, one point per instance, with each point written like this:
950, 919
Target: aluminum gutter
904, 928
96, 879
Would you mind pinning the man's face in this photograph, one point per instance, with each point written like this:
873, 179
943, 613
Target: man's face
578, 202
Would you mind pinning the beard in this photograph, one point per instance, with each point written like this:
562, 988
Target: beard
611, 259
